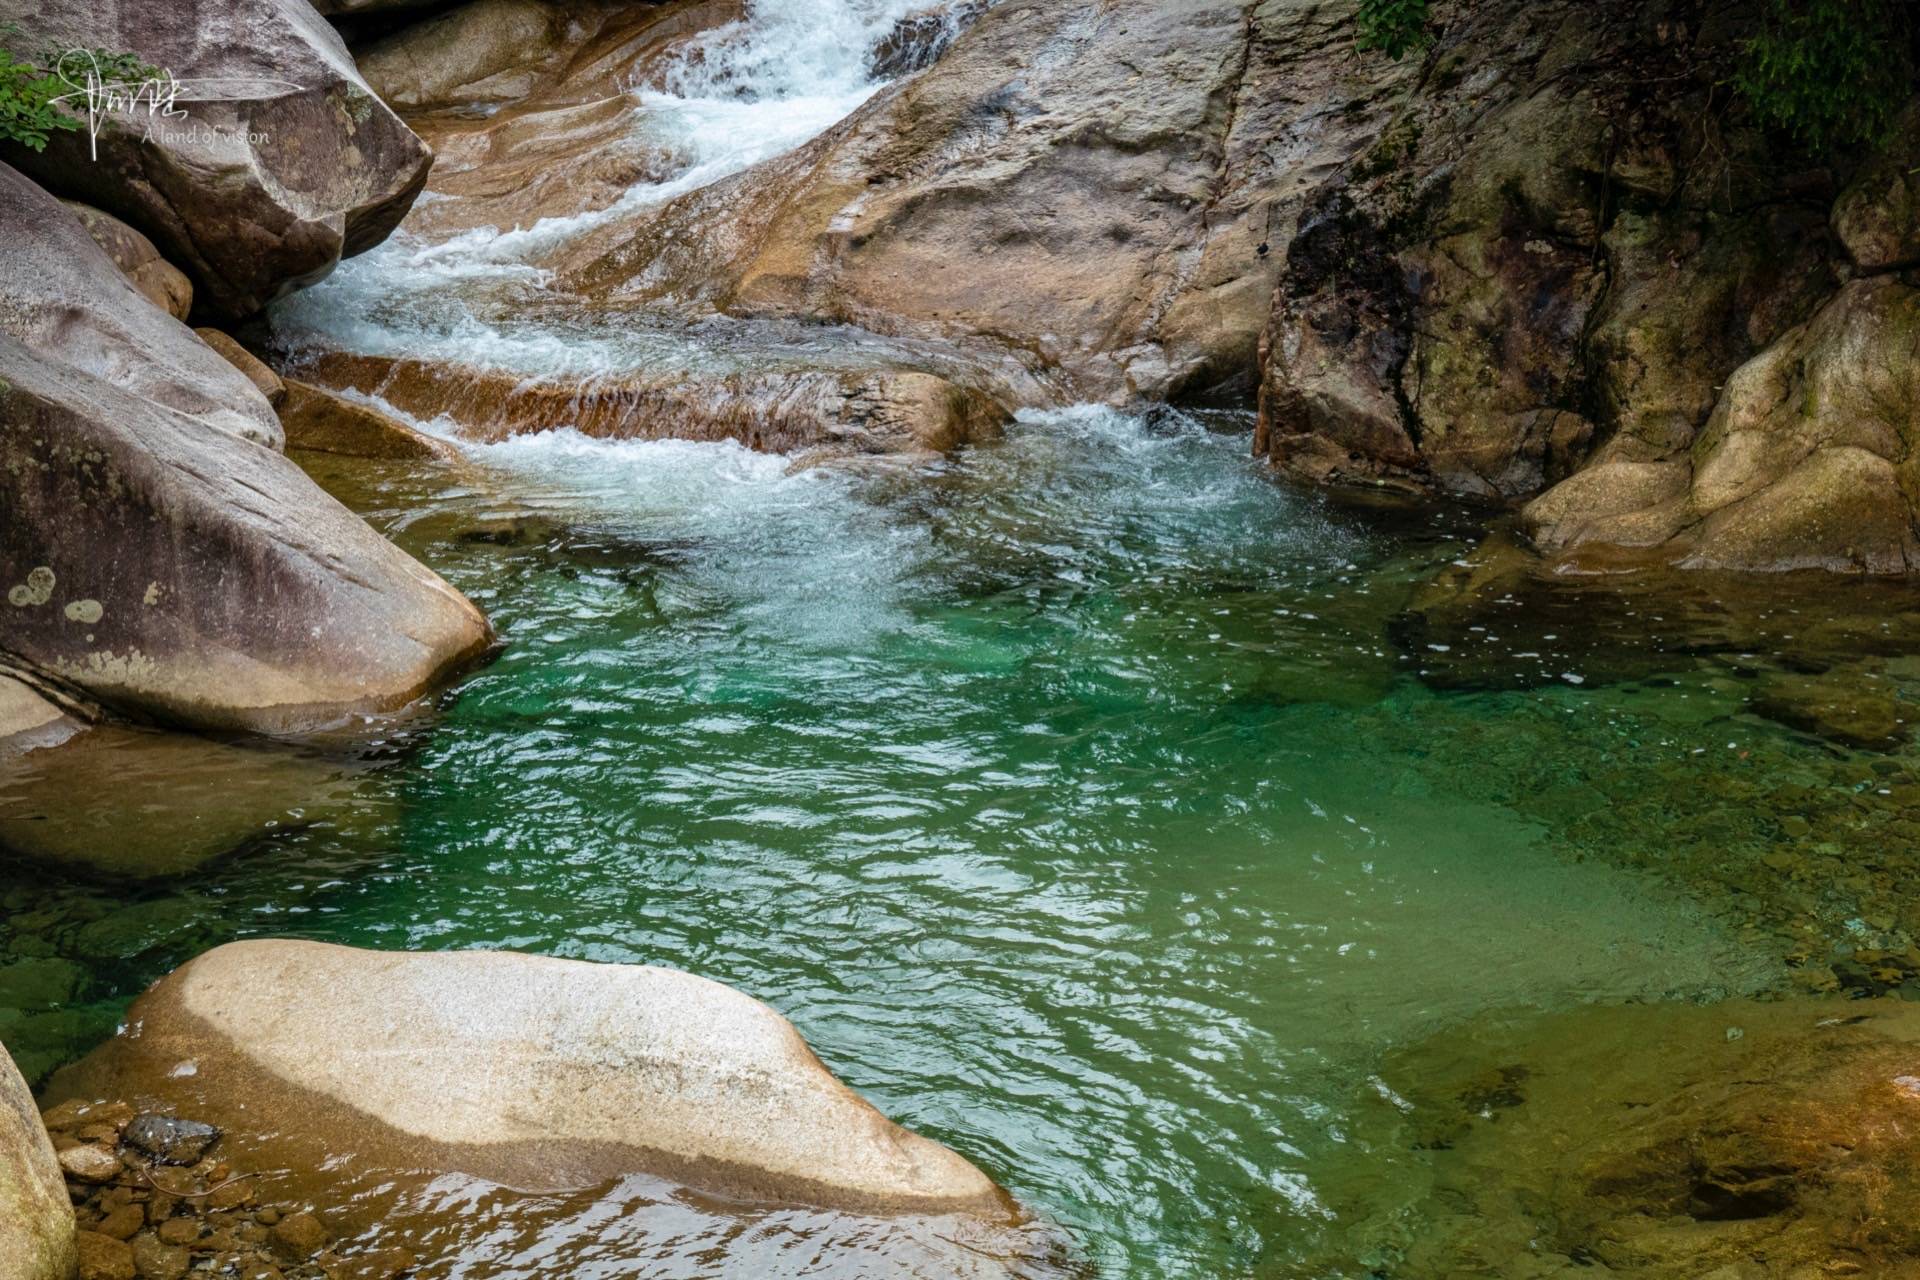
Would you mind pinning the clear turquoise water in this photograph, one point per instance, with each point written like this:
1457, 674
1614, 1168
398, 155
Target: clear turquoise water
1071, 798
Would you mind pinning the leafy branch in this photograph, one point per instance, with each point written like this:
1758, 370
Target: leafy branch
34, 95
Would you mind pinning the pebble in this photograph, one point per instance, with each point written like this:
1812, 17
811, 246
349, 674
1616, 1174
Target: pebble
90, 1164
297, 1237
170, 1140
123, 1222
104, 1258
155, 1260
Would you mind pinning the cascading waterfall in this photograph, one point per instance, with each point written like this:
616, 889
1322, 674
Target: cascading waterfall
734, 96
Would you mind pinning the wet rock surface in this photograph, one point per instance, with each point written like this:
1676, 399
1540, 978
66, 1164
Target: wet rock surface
873, 406
968, 200
322, 421
560, 139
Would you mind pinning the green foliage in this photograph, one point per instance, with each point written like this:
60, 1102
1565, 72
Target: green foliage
36, 97
1395, 27
1830, 73
28, 112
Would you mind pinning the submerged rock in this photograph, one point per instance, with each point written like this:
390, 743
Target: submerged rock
36, 1220
256, 190
1666, 1140
140, 805
168, 1139
521, 1069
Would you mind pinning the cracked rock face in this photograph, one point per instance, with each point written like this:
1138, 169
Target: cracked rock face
1545, 280
1536, 259
1808, 461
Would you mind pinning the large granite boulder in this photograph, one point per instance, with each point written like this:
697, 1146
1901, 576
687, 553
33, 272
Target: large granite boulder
536, 1072
193, 576
66, 300
283, 162
36, 1220
154, 551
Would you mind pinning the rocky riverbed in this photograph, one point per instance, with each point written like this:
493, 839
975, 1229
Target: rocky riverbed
154, 1199
963, 503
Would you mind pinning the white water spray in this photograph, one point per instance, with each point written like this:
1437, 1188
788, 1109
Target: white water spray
733, 97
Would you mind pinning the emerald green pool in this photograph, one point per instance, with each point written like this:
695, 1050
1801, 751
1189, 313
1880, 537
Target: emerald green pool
1074, 799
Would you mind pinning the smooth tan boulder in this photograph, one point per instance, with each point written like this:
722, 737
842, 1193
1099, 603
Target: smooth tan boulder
36, 1219
294, 166
323, 421
535, 1072
480, 52
264, 380
155, 553
64, 298
163, 284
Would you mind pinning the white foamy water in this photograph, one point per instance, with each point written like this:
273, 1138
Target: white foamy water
735, 96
